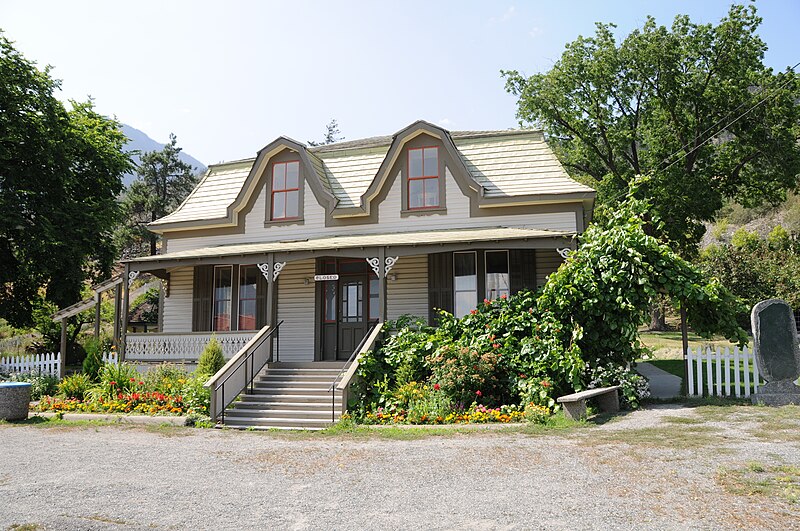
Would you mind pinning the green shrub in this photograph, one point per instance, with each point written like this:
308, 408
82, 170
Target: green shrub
196, 398
94, 355
120, 378
466, 375
75, 386
165, 378
211, 360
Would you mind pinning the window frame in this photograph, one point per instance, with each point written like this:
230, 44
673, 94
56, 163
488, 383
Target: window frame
486, 272
457, 291
214, 300
242, 269
439, 204
285, 191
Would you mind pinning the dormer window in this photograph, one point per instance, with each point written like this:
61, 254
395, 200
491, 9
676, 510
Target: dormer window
285, 190
423, 178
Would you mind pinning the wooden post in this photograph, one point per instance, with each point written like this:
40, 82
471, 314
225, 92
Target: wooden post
117, 306
98, 297
685, 342
126, 291
271, 317
63, 368
382, 285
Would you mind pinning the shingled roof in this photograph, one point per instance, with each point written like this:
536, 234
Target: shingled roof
506, 164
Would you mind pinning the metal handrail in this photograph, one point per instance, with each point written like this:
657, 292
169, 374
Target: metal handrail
356, 351
244, 361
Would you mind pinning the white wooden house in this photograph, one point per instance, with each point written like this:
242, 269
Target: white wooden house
329, 239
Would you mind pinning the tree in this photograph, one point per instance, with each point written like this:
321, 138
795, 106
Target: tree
162, 184
331, 135
692, 105
60, 174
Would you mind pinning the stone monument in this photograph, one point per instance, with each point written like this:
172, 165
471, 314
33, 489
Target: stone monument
777, 353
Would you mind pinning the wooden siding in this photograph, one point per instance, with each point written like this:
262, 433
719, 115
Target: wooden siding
178, 306
389, 216
296, 308
547, 261
409, 293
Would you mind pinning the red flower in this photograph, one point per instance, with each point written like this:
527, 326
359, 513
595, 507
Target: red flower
141, 383
437, 386
112, 383
545, 383
496, 345
133, 379
522, 376
503, 296
119, 395
473, 312
478, 393
486, 301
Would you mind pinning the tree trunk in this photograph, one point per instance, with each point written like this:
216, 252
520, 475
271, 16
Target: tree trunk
152, 245
658, 322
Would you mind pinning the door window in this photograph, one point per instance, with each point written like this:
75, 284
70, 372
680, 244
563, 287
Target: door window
465, 283
352, 301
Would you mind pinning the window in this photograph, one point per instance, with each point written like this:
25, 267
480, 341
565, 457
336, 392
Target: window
423, 178
352, 301
248, 280
497, 277
285, 190
221, 319
465, 283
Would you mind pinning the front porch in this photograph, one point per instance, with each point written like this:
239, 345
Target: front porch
327, 292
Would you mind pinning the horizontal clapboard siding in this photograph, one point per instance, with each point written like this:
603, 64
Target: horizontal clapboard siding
408, 294
296, 309
389, 216
547, 261
178, 306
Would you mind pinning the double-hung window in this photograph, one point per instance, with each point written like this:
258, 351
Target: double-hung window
497, 276
223, 278
465, 283
423, 178
285, 191
248, 287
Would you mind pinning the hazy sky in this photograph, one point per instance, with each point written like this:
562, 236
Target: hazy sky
229, 77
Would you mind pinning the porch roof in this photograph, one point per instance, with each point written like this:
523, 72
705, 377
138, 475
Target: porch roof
400, 239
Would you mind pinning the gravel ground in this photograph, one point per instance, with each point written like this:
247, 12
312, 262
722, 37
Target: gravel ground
116, 477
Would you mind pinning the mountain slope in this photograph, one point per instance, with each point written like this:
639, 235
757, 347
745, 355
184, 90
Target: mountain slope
139, 141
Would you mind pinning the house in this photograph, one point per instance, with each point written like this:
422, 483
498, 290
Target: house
327, 240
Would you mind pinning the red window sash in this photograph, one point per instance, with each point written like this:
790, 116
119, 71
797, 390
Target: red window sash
421, 178
284, 190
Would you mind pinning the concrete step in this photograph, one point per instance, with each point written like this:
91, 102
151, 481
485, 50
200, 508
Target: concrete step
337, 365
280, 397
267, 428
317, 390
304, 406
276, 422
293, 377
310, 372
318, 414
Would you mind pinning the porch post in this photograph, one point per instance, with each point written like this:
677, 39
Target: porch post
126, 291
117, 305
271, 299
98, 296
63, 367
382, 285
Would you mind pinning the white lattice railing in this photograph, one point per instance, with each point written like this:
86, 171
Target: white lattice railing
49, 364
181, 346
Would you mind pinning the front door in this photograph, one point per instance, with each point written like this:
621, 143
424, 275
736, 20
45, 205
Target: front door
353, 319
348, 304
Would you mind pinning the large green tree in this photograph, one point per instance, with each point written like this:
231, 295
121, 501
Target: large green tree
163, 182
60, 174
692, 105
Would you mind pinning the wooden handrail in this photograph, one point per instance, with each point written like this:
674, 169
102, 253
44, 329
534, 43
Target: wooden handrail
344, 383
236, 357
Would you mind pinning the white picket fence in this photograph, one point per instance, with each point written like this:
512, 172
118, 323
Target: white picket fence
111, 357
48, 364
722, 372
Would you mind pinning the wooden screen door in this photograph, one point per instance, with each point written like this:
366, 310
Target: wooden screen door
353, 317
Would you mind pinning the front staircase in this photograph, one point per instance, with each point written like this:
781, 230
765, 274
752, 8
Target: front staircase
288, 396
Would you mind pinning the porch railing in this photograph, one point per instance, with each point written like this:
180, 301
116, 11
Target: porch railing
241, 370
342, 381
176, 346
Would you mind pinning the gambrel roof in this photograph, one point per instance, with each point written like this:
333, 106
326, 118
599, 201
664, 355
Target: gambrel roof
510, 166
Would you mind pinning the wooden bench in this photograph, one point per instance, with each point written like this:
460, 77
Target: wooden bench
575, 404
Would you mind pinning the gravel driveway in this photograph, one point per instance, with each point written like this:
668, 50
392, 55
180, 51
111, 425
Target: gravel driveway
115, 477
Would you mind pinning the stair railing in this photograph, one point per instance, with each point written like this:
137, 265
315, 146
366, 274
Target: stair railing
242, 369
348, 371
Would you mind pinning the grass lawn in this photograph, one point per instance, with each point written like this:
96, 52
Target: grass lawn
668, 345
